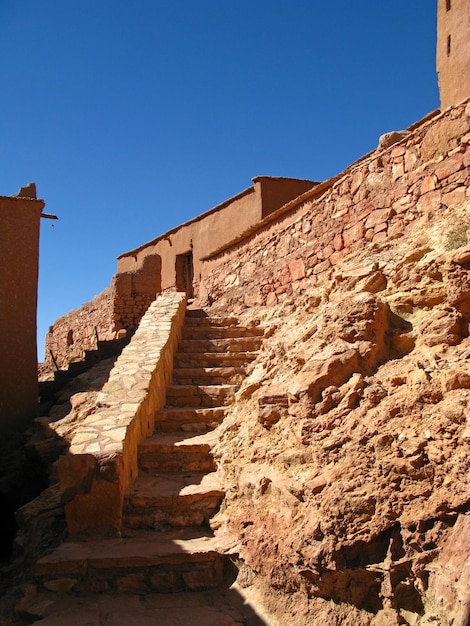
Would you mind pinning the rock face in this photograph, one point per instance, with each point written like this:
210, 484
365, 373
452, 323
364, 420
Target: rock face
345, 456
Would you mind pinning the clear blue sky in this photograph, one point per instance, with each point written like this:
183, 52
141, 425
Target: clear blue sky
132, 117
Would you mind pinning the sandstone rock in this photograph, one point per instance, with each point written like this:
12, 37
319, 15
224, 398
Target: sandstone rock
446, 325
389, 139
438, 136
272, 405
317, 375
374, 283
461, 256
379, 216
297, 269
457, 379
450, 578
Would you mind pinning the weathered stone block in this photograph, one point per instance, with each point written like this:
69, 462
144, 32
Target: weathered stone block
429, 202
455, 198
428, 184
297, 269
378, 216
338, 243
449, 166
353, 234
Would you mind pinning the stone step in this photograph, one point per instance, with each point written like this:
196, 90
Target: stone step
219, 332
200, 395
208, 375
233, 344
201, 314
205, 320
213, 359
160, 502
214, 607
189, 419
184, 560
177, 452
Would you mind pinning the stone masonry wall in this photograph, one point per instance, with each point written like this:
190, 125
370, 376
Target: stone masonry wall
79, 330
379, 197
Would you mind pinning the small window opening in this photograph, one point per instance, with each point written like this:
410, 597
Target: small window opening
448, 7
70, 338
448, 45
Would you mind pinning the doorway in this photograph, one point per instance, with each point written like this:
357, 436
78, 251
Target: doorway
185, 273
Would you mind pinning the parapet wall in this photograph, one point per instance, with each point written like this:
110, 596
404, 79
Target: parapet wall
135, 291
387, 192
102, 460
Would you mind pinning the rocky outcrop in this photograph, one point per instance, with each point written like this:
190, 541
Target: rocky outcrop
345, 454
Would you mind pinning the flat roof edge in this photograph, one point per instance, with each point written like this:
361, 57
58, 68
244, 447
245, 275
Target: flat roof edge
199, 217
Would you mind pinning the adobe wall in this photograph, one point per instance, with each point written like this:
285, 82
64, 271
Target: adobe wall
199, 235
453, 51
276, 192
19, 245
375, 200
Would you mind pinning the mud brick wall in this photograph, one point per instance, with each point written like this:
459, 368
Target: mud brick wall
19, 247
135, 291
375, 200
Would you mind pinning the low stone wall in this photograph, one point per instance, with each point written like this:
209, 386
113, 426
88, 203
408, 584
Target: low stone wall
102, 460
79, 330
376, 199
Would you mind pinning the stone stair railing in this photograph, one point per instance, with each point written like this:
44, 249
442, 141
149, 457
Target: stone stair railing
102, 459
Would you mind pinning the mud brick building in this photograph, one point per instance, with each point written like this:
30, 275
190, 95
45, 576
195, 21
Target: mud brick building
19, 253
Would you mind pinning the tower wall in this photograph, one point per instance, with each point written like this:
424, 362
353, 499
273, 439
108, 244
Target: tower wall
453, 51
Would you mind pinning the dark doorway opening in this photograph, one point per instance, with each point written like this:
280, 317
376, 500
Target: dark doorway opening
185, 273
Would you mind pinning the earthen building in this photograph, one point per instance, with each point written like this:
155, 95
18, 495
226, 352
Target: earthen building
453, 51
19, 245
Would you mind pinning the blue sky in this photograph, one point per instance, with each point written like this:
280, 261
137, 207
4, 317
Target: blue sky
133, 117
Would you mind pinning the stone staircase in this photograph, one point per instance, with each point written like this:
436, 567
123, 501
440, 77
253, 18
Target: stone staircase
167, 544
